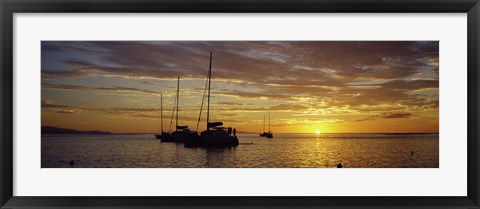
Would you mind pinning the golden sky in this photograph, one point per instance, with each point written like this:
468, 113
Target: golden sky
331, 86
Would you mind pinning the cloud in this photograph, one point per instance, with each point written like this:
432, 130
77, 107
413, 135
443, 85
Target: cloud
67, 111
385, 115
316, 77
288, 107
396, 115
50, 103
50, 107
100, 89
49, 74
151, 113
232, 103
57, 108
265, 60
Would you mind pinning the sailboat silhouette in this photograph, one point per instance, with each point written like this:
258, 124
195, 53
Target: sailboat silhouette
181, 131
215, 134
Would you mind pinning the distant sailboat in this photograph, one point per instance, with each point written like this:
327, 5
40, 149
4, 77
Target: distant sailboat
215, 135
269, 134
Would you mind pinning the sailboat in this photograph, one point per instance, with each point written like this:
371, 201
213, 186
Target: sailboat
181, 131
163, 136
269, 134
215, 134
264, 134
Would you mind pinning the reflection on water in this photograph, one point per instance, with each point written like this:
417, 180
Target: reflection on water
283, 151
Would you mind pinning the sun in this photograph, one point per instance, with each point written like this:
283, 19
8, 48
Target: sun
318, 132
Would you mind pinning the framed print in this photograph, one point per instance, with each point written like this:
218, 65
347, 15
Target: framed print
195, 104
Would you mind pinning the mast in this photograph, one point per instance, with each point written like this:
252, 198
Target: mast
161, 112
263, 123
269, 121
209, 81
178, 90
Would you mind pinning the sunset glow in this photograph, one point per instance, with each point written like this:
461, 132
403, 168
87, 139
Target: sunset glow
308, 87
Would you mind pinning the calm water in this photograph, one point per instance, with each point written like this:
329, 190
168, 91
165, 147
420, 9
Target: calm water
283, 151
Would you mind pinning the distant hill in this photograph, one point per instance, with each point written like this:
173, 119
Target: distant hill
56, 130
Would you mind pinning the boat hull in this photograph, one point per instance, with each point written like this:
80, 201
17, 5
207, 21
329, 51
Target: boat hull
176, 137
165, 137
182, 136
212, 141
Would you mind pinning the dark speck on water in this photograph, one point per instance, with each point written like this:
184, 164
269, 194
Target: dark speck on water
283, 151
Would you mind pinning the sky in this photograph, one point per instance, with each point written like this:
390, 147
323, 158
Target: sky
307, 86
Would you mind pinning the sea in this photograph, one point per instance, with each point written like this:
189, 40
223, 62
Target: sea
282, 151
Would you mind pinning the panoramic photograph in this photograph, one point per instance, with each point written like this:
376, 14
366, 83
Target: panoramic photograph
240, 104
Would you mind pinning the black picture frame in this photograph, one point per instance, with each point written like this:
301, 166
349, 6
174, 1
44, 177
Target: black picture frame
9, 7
